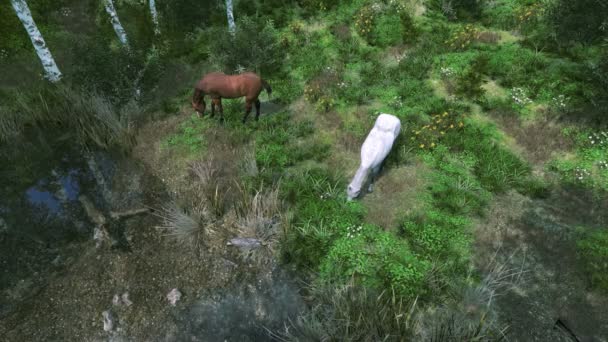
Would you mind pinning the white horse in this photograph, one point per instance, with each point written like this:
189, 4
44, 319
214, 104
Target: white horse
375, 148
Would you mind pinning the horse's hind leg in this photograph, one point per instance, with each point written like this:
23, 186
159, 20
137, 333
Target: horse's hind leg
247, 109
257, 109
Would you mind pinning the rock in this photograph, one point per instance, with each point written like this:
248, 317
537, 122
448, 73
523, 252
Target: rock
122, 300
108, 320
245, 242
174, 296
116, 300
125, 299
100, 235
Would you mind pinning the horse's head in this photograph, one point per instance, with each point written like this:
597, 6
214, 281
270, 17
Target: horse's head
353, 191
199, 107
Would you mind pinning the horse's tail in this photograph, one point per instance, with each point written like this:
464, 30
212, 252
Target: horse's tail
267, 87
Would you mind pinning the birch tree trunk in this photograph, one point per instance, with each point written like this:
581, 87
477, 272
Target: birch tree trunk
154, 14
231, 24
51, 70
120, 31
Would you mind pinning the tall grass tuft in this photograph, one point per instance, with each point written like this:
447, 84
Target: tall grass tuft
259, 217
89, 116
186, 227
352, 313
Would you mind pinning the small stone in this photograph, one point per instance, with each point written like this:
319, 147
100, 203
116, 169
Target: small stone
174, 296
108, 321
116, 300
125, 299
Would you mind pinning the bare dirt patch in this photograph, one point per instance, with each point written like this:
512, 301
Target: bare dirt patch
396, 195
540, 139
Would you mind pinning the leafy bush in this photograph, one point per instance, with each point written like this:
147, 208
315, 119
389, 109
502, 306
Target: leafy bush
469, 84
253, 46
581, 21
593, 252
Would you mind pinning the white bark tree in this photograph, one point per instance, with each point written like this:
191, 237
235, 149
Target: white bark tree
230, 15
120, 31
51, 70
154, 13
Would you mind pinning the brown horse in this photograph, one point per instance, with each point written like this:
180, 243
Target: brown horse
219, 85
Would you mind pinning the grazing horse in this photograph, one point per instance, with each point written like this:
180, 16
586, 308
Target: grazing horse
375, 148
219, 85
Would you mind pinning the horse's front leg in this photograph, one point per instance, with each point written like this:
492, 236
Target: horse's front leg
257, 109
214, 103
247, 110
373, 175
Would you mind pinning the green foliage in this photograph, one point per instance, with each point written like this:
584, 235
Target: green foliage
385, 32
575, 22
589, 166
277, 144
593, 252
320, 215
190, 136
496, 168
469, 84
454, 187
458, 9
375, 258
254, 46
89, 116
438, 235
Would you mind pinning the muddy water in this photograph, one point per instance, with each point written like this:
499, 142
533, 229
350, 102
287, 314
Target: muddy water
56, 281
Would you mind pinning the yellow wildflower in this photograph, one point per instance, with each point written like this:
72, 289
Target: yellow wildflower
452, 126
460, 124
433, 145
421, 145
442, 132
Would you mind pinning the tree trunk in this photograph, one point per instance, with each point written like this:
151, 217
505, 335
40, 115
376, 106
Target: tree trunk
154, 14
51, 70
231, 24
120, 31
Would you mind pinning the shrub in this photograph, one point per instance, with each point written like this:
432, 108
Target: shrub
578, 21
90, 117
186, 227
469, 84
351, 313
374, 258
253, 46
593, 252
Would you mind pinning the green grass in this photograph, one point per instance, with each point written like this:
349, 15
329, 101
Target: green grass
190, 137
592, 249
588, 167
